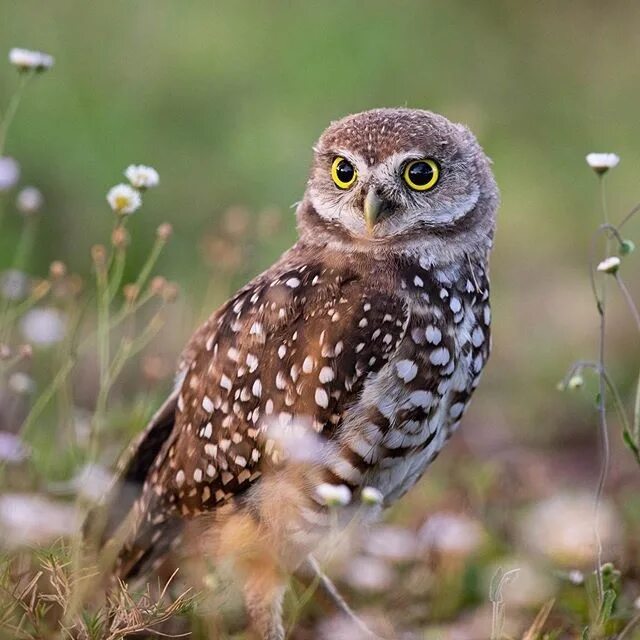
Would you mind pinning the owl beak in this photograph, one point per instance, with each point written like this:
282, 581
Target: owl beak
372, 209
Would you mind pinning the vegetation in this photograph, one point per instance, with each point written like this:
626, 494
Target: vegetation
527, 525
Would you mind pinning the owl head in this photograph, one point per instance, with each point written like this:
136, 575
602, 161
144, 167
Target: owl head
395, 179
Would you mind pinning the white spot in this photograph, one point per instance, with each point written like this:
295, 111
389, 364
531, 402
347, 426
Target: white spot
282, 351
326, 375
418, 281
421, 399
487, 315
293, 283
433, 334
363, 323
338, 348
477, 363
233, 354
207, 431
440, 356
256, 329
407, 370
456, 410
322, 399
444, 293
197, 475
210, 449
387, 338
225, 382
359, 347
252, 362
211, 471
295, 372
477, 337
268, 407
367, 307
375, 334
207, 404
455, 305
241, 461
257, 388
281, 381
307, 365
180, 478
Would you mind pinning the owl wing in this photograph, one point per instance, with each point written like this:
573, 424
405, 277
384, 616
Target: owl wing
296, 345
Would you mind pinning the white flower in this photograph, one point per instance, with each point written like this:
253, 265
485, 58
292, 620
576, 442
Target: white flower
142, 177
334, 495
365, 573
602, 162
371, 496
14, 284
391, 542
609, 265
29, 200
26, 60
43, 327
28, 519
12, 449
576, 577
561, 528
575, 381
9, 173
451, 533
20, 383
124, 199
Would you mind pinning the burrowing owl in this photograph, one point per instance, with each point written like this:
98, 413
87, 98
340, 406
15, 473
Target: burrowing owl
350, 361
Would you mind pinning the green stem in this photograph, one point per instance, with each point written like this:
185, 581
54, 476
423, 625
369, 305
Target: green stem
602, 411
158, 245
12, 108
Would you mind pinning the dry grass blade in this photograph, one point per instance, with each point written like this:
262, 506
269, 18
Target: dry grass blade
535, 630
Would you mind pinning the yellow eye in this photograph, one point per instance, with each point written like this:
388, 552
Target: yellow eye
422, 175
343, 173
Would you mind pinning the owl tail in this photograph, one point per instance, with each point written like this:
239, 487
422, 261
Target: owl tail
119, 530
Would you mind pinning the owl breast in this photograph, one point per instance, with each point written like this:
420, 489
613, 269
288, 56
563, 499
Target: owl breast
415, 402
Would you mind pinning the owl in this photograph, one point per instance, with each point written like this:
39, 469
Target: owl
349, 362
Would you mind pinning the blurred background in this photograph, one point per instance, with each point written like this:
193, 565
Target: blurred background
226, 99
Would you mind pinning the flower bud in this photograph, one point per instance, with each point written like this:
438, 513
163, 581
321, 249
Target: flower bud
57, 270
119, 238
131, 292
164, 231
609, 265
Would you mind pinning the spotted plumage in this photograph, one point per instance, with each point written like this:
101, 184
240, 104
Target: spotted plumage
350, 361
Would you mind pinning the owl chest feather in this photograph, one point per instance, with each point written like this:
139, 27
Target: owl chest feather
414, 403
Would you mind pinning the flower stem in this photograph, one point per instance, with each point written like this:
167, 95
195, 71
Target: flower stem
605, 448
10, 113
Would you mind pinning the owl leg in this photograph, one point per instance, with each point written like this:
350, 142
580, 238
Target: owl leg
264, 593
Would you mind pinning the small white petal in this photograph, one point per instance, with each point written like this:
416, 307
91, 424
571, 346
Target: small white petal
141, 176
601, 162
334, 495
609, 265
124, 199
371, 496
25, 59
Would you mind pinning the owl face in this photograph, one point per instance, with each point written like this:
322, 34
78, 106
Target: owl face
393, 173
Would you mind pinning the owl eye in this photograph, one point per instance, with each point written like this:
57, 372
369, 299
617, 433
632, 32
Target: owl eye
343, 173
422, 175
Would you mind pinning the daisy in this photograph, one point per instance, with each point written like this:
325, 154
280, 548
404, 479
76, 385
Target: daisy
124, 199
